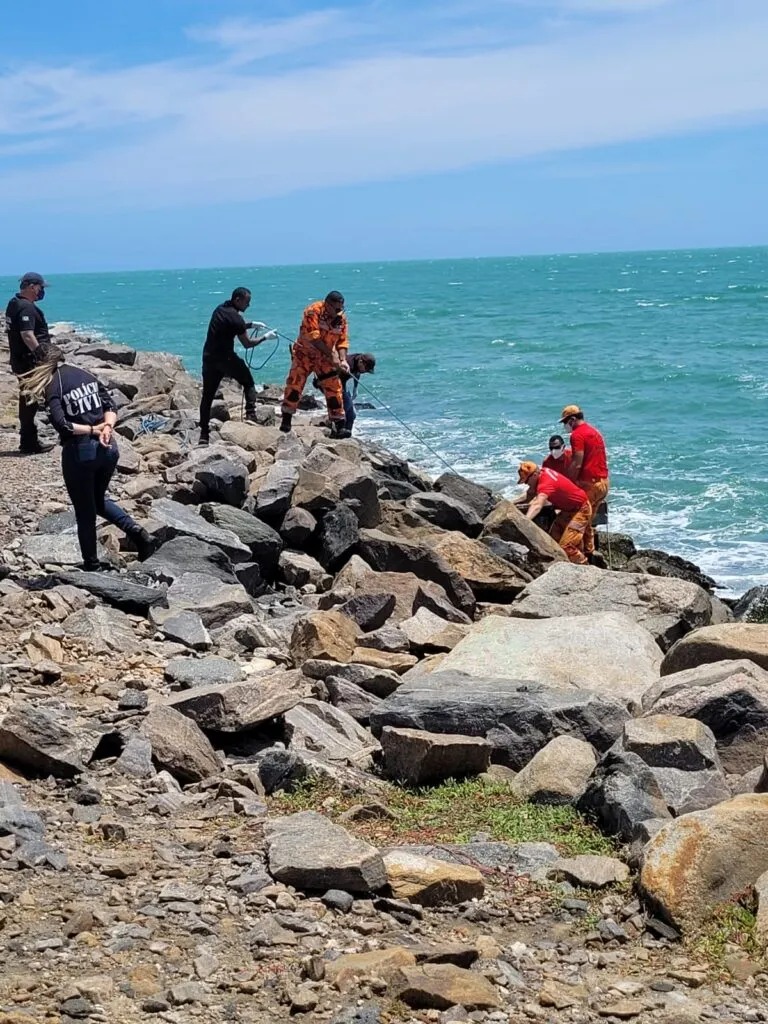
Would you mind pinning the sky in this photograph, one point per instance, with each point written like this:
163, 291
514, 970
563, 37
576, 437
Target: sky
193, 133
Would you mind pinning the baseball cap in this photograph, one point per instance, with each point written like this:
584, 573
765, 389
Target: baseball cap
33, 278
526, 471
568, 411
370, 361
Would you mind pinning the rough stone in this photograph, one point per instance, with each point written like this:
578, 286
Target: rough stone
188, 554
490, 577
414, 757
178, 745
440, 986
45, 741
350, 968
274, 496
351, 699
507, 522
369, 611
184, 520
589, 871
732, 640
119, 591
337, 536
186, 627
622, 795
447, 512
308, 851
241, 706
320, 728
223, 480
426, 631
480, 499
430, 882
298, 570
188, 672
264, 543
557, 774
297, 527
327, 635
214, 601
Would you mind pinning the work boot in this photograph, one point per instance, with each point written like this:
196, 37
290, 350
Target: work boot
93, 565
339, 429
286, 423
597, 560
34, 448
204, 441
250, 416
144, 542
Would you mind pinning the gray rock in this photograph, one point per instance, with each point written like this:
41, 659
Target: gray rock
589, 871
54, 549
102, 627
480, 499
667, 608
214, 601
18, 820
108, 352
223, 480
557, 774
389, 638
686, 791
414, 757
178, 745
622, 794
241, 706
308, 851
186, 628
426, 631
185, 672
447, 512
136, 758
351, 699
730, 640
337, 536
117, 590
187, 554
434, 599
730, 697
274, 496
517, 717
393, 554
604, 652
752, 606
298, 570
320, 728
337, 899
297, 527
532, 859
378, 681
669, 741
265, 544
369, 611
183, 520
46, 741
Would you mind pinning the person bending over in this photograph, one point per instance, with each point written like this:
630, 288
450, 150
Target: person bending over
574, 512
220, 359
27, 328
321, 348
83, 413
359, 363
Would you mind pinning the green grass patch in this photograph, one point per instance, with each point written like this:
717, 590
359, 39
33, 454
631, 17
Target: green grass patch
453, 812
731, 926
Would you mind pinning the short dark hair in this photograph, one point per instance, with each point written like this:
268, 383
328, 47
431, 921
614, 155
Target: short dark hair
335, 297
241, 293
556, 437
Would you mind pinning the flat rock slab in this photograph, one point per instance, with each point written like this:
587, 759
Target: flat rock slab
46, 741
186, 628
184, 520
187, 672
117, 590
589, 871
54, 549
180, 555
532, 859
308, 851
214, 601
705, 858
430, 882
320, 728
346, 970
667, 608
441, 986
731, 640
606, 653
414, 757
241, 706
103, 628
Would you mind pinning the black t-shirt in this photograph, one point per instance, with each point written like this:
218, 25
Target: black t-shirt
23, 315
226, 324
76, 396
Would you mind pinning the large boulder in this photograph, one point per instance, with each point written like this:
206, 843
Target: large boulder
45, 741
490, 577
507, 522
414, 757
718, 643
186, 673
120, 591
557, 774
703, 859
517, 717
274, 496
264, 543
320, 728
337, 537
410, 592
215, 602
308, 851
392, 554
330, 636
624, 797
730, 697
241, 706
447, 512
178, 745
605, 652
188, 554
224, 480
480, 499
177, 520
667, 608
298, 569
431, 882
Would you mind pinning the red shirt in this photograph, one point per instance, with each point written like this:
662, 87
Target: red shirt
585, 438
559, 465
560, 491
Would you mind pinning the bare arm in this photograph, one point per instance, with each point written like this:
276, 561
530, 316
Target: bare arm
29, 339
248, 342
574, 469
536, 506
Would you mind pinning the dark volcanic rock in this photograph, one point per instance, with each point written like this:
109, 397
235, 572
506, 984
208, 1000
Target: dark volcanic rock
188, 554
45, 741
119, 591
447, 512
224, 480
337, 537
369, 611
622, 794
297, 527
480, 499
265, 543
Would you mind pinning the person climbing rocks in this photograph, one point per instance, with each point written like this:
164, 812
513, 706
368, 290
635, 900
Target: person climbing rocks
27, 329
574, 512
359, 363
588, 469
220, 359
321, 348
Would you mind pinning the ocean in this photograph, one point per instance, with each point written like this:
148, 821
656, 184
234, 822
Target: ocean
665, 351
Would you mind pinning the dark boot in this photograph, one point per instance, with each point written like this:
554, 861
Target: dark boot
339, 429
250, 405
144, 543
34, 448
286, 423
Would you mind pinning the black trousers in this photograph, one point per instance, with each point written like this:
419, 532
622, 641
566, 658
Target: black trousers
27, 426
214, 372
87, 467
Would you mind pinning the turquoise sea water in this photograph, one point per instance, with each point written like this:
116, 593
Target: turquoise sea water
665, 351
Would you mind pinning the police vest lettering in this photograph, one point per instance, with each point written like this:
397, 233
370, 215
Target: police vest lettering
82, 400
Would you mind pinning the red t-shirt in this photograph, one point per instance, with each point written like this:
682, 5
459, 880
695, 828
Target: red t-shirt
585, 438
559, 465
560, 491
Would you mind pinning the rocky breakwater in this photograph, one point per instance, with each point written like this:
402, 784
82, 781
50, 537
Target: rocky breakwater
321, 617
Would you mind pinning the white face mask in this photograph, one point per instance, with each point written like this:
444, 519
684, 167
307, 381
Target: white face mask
556, 453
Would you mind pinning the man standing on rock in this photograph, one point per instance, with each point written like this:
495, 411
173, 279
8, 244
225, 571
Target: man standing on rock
27, 328
588, 467
220, 359
574, 512
321, 348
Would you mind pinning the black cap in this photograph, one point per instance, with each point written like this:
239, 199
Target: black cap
370, 361
32, 278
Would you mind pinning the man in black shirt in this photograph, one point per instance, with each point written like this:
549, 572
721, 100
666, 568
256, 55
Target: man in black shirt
26, 329
220, 359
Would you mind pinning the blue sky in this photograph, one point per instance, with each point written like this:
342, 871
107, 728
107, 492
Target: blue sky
185, 133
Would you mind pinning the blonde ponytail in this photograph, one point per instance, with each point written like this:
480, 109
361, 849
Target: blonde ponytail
34, 383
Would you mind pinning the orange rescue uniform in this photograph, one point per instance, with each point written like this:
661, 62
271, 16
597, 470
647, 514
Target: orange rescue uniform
574, 513
593, 475
307, 358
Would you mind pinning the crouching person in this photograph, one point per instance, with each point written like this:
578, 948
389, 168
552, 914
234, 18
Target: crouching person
84, 415
574, 512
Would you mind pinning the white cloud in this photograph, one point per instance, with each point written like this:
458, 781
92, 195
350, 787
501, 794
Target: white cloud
174, 133
248, 40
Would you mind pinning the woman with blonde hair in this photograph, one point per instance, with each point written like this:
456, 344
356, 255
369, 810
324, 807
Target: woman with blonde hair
84, 415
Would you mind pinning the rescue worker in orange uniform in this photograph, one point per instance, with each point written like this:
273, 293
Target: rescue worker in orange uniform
321, 349
574, 512
588, 467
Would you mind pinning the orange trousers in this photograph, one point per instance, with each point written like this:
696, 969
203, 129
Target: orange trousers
596, 492
305, 361
569, 530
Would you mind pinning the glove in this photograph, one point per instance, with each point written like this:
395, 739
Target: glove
268, 336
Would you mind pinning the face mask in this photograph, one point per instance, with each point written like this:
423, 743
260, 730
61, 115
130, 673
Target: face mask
556, 453
41, 296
